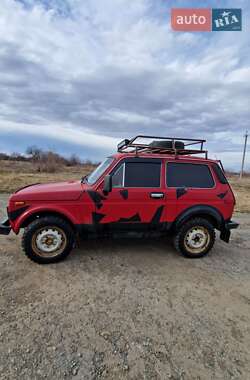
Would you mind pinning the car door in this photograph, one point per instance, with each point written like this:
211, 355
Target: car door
138, 196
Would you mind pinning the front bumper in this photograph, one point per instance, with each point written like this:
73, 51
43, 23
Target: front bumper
226, 230
5, 227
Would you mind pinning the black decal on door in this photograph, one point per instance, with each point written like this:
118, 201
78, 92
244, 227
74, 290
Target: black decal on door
134, 218
157, 215
180, 192
97, 217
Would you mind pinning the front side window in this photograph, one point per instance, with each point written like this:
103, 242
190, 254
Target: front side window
142, 174
97, 173
189, 175
137, 174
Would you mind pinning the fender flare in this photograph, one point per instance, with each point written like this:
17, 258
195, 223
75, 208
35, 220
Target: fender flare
36, 210
200, 210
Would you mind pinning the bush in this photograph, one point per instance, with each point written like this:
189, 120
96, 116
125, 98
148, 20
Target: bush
74, 160
45, 161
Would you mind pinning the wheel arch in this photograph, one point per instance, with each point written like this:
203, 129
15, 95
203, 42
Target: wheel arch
39, 213
209, 213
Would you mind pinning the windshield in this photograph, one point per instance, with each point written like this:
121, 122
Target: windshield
96, 174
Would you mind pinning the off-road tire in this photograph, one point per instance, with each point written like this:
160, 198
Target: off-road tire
161, 144
181, 234
37, 225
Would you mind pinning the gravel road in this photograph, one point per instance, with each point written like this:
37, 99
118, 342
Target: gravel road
126, 309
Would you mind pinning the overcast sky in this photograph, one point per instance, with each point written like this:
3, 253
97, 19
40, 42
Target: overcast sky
78, 76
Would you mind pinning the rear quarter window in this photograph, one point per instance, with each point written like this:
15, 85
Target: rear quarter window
219, 174
189, 175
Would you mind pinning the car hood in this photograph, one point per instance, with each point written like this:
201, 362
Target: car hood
61, 191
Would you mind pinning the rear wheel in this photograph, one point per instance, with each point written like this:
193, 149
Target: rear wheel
195, 238
48, 240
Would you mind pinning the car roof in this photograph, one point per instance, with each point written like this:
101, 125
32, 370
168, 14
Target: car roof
170, 157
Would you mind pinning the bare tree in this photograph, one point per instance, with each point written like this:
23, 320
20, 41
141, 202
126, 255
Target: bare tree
34, 152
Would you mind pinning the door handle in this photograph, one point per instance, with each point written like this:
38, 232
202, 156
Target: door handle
157, 195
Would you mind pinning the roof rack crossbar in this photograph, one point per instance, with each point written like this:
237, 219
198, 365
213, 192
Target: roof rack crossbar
133, 146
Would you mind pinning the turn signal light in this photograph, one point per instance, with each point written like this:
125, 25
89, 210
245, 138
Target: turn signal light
19, 203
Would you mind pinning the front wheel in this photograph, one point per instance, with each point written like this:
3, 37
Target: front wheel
195, 238
48, 240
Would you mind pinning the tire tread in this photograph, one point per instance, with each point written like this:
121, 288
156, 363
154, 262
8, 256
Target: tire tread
192, 222
38, 223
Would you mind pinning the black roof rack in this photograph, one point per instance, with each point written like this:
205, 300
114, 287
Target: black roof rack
162, 145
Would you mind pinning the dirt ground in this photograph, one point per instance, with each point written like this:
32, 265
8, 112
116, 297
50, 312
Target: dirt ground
126, 309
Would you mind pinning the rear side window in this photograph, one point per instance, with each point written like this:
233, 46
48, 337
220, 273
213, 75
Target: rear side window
219, 174
189, 175
142, 174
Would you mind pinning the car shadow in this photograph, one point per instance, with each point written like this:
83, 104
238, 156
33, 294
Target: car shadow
105, 247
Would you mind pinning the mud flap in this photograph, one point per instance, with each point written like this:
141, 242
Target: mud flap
5, 228
225, 235
226, 231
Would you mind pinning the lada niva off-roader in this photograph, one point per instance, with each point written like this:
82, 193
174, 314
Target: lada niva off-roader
151, 184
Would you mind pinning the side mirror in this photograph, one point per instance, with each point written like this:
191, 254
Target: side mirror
107, 188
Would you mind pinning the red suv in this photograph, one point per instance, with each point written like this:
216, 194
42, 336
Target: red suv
150, 184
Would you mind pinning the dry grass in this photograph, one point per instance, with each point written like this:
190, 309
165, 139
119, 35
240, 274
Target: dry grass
241, 190
14, 175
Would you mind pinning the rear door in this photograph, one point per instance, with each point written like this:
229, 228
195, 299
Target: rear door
138, 194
